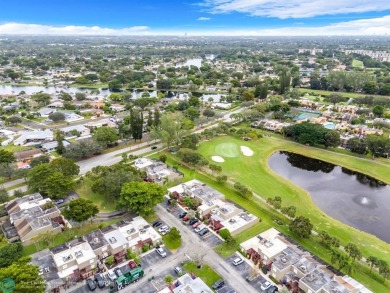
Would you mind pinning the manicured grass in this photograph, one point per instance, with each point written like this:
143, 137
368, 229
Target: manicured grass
206, 273
357, 63
170, 243
344, 94
104, 204
14, 148
89, 86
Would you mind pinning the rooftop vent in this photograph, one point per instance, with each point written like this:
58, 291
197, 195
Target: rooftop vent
66, 258
113, 240
78, 253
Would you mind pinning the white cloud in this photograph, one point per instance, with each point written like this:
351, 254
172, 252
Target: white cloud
204, 18
295, 8
13, 28
371, 26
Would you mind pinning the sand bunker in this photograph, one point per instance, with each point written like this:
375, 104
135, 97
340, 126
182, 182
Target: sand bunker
217, 159
246, 151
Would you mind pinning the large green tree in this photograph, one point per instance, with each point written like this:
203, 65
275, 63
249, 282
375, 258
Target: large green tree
10, 253
6, 157
301, 226
105, 135
80, 210
25, 275
65, 166
140, 197
172, 129
82, 149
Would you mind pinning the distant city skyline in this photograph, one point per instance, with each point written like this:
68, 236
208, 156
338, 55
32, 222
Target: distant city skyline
196, 17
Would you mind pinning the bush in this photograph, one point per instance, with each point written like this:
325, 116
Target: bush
145, 248
225, 233
110, 260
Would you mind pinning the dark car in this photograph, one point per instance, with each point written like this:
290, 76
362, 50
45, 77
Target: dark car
193, 221
118, 272
182, 215
157, 224
100, 281
154, 147
204, 231
272, 289
219, 284
91, 285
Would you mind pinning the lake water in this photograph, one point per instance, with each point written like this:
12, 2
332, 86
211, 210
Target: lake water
350, 197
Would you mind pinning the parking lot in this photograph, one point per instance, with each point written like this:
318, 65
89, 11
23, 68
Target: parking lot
245, 271
211, 239
152, 258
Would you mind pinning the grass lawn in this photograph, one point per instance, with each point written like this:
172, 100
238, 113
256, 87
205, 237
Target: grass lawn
327, 93
206, 273
357, 63
84, 190
15, 148
255, 173
171, 243
89, 86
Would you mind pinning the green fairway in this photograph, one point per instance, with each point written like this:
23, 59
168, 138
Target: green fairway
357, 63
255, 173
327, 93
228, 150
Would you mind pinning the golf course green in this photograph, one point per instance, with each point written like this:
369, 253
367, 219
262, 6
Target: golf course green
254, 172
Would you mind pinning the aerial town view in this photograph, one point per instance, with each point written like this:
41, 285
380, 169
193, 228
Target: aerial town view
229, 146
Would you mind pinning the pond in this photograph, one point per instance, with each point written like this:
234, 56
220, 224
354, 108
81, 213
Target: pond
350, 197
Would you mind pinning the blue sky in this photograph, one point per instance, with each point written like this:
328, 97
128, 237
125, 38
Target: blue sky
195, 17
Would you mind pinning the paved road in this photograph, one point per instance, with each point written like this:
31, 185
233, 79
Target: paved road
191, 242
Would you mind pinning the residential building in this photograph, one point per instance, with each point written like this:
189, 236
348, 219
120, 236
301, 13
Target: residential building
98, 243
157, 171
75, 130
28, 155
117, 243
267, 245
187, 284
52, 146
34, 137
74, 260
29, 218
138, 232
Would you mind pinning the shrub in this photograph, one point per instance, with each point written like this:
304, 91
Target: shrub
110, 260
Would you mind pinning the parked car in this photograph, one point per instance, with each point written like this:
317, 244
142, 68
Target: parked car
272, 289
204, 231
163, 228
132, 264
59, 201
237, 261
219, 284
178, 270
231, 291
200, 227
118, 272
91, 285
111, 275
161, 252
154, 147
166, 231
157, 224
100, 281
197, 224
182, 215
193, 221
265, 285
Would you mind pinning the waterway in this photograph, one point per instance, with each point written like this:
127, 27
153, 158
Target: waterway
350, 197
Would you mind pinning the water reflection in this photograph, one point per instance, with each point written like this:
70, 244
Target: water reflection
351, 197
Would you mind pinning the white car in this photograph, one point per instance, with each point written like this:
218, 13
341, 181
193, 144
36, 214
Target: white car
237, 261
163, 228
111, 275
166, 231
161, 252
265, 285
200, 227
